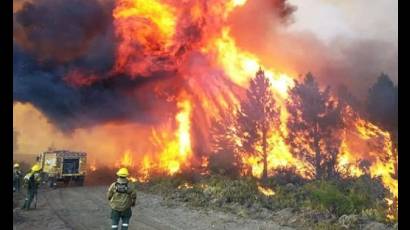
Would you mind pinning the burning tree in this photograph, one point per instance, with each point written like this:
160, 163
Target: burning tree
314, 125
382, 109
257, 116
382, 104
224, 136
345, 97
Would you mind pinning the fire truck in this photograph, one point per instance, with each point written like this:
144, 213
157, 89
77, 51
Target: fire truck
63, 166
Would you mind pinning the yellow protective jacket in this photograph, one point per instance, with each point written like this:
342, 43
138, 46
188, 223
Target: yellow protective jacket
120, 200
36, 180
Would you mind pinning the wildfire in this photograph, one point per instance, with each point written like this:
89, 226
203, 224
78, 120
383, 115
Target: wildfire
204, 165
163, 35
150, 32
381, 153
132, 179
126, 160
177, 152
144, 170
174, 150
148, 23
239, 2
93, 166
266, 191
240, 65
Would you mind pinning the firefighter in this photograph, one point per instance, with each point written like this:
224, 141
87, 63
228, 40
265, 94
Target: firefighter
121, 195
32, 181
16, 178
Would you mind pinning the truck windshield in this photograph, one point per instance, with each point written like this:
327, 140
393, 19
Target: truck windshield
70, 166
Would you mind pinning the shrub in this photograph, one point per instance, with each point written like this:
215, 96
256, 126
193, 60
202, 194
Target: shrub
376, 214
286, 175
286, 197
347, 196
224, 164
326, 195
229, 191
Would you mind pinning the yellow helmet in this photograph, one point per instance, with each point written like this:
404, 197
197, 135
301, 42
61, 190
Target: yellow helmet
122, 172
16, 165
36, 168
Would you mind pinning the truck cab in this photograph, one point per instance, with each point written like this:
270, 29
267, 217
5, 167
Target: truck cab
63, 166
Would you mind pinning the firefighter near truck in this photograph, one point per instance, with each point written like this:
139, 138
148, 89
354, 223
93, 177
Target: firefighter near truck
63, 166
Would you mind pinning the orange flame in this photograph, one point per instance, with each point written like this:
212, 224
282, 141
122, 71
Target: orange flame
185, 186
266, 191
126, 160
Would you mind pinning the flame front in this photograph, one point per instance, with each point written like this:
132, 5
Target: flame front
126, 160
266, 191
159, 25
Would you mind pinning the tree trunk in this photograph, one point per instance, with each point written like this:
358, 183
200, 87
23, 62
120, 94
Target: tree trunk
395, 153
265, 156
318, 167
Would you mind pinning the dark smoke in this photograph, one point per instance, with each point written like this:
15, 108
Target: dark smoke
262, 29
54, 37
62, 30
111, 99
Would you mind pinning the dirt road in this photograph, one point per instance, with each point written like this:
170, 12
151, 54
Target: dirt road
86, 208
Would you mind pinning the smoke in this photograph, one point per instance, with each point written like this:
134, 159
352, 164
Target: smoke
61, 30
71, 107
67, 53
352, 61
58, 44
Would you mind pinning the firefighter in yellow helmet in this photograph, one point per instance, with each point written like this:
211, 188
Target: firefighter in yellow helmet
121, 195
32, 181
16, 177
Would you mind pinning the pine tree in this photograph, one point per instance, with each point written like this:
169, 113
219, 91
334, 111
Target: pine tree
314, 123
224, 139
382, 104
257, 116
382, 109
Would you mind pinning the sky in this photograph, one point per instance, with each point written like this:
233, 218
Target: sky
357, 19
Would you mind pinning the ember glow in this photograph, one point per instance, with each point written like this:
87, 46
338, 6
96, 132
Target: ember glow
126, 160
185, 186
266, 191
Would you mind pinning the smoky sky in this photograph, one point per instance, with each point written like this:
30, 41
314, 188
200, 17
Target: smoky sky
299, 44
71, 107
54, 37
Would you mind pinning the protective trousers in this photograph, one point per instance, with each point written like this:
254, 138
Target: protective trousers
16, 184
29, 198
124, 216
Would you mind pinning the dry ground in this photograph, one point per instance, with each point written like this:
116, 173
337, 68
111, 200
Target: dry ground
86, 208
